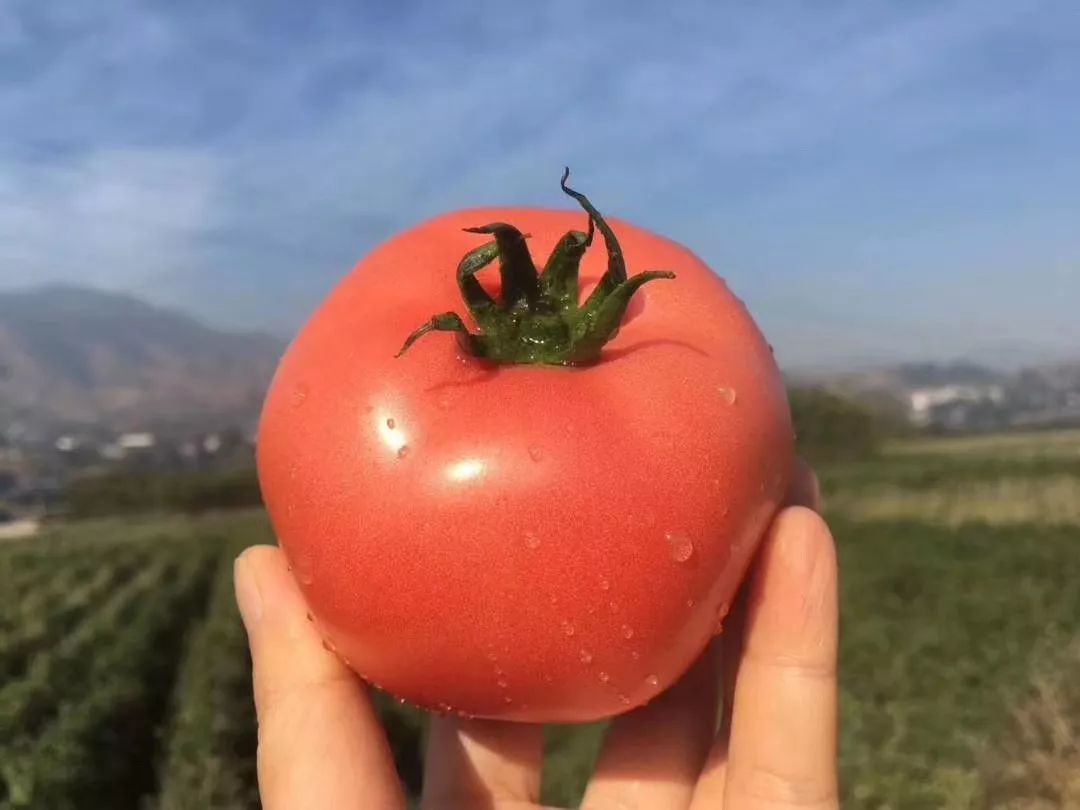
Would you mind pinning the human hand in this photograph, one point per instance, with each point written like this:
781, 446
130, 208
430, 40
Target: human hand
773, 670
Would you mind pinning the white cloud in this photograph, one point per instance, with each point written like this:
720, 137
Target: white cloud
237, 162
110, 218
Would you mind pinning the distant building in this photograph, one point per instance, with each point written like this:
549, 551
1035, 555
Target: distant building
136, 441
924, 403
17, 528
66, 444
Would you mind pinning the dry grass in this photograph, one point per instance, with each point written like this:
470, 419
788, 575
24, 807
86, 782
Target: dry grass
1003, 502
1037, 766
1045, 444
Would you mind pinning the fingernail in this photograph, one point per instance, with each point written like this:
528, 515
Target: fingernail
248, 595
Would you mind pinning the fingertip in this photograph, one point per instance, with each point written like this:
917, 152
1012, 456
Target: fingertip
800, 536
792, 605
258, 558
798, 554
805, 489
260, 574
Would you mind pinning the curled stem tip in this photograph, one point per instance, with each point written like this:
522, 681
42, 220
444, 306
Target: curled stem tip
538, 318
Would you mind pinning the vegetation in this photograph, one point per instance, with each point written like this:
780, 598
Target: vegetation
209, 756
189, 492
829, 427
124, 673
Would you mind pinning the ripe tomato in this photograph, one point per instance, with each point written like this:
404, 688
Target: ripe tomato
508, 538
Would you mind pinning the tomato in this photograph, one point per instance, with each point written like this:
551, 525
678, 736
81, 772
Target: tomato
513, 526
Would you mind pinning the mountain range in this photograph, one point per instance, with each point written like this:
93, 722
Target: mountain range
967, 395
74, 358
78, 358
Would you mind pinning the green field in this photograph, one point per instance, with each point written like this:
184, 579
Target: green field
124, 675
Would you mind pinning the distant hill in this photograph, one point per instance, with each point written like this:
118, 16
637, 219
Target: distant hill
78, 357
966, 395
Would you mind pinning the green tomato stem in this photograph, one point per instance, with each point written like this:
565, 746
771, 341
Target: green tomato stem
538, 318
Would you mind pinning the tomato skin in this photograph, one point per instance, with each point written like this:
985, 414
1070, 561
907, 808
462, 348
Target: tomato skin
533, 543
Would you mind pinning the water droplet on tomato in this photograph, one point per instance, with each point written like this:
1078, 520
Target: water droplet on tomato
502, 682
623, 699
328, 645
299, 395
635, 655
390, 423
531, 540
614, 606
652, 681
403, 451
680, 546
401, 701
690, 602
444, 708
603, 676
535, 453
567, 628
627, 631
507, 700
721, 614
491, 656
604, 584
586, 657
728, 395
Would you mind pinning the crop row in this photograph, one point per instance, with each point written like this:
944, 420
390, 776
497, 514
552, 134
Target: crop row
77, 552
83, 719
209, 759
59, 605
25, 574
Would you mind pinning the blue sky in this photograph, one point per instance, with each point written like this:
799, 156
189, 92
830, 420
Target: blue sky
878, 180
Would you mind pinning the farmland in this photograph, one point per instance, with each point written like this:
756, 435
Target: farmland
124, 673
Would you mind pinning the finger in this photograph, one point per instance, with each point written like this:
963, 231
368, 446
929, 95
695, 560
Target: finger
782, 747
653, 755
734, 631
805, 489
482, 764
320, 742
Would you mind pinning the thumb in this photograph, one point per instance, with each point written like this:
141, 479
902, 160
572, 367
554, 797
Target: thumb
320, 742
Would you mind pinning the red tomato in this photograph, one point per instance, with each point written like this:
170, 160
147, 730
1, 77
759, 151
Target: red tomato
531, 542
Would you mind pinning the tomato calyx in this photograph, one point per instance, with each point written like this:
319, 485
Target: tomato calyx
538, 318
